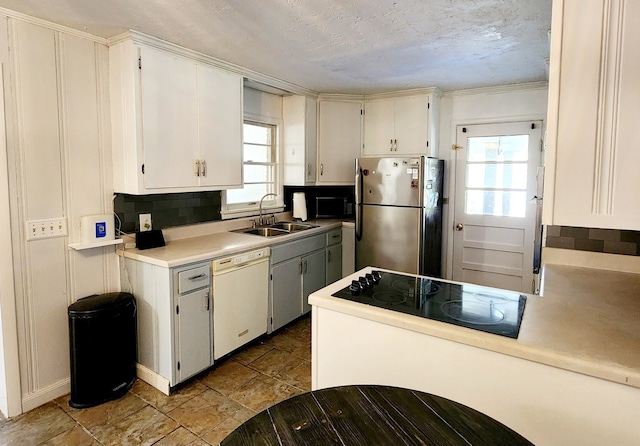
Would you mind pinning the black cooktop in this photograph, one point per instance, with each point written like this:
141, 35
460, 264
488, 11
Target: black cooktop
486, 309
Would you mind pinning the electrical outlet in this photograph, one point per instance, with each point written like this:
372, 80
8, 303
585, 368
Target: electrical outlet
53, 227
145, 222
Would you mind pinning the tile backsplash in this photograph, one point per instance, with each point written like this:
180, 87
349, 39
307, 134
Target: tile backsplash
613, 241
171, 210
167, 210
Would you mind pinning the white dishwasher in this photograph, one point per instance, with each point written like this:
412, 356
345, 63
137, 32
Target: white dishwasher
240, 300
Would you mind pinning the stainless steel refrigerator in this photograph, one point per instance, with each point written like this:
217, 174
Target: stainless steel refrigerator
399, 214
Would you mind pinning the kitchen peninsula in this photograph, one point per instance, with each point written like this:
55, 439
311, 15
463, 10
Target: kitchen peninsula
572, 376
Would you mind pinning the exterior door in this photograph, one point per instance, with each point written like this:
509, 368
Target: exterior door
494, 213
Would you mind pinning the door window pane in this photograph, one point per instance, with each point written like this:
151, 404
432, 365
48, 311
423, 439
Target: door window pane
495, 202
496, 175
509, 176
499, 148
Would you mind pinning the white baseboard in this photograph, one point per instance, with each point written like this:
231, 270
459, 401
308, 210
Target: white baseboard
153, 379
63, 387
46, 395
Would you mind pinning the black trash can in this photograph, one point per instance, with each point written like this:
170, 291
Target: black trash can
102, 344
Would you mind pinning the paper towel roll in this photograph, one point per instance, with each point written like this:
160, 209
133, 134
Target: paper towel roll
299, 206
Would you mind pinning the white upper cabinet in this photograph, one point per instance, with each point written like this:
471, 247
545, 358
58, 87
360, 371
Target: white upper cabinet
299, 115
401, 125
176, 121
592, 162
220, 127
339, 140
169, 112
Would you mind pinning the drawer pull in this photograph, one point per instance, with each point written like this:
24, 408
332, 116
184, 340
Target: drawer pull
199, 276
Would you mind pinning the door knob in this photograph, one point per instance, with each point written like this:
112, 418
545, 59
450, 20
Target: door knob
459, 227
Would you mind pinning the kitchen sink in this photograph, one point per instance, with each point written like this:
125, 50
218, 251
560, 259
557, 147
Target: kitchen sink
275, 229
264, 232
291, 226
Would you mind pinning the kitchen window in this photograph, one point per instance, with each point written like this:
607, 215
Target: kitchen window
260, 171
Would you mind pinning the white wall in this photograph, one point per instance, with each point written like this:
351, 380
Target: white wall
58, 147
9, 370
481, 106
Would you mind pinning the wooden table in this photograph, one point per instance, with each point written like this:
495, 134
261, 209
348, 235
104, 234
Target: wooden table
371, 415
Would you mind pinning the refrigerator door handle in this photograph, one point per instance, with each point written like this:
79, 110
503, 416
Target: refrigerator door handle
358, 196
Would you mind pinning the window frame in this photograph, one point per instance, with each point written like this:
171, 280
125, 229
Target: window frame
270, 204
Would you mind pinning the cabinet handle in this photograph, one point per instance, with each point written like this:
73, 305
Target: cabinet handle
300, 271
328, 256
203, 169
321, 169
196, 168
206, 302
391, 145
309, 169
395, 145
199, 276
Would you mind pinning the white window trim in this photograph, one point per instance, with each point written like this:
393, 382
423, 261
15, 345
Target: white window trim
270, 205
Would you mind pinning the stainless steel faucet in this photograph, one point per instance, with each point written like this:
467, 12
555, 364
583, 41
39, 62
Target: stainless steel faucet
260, 220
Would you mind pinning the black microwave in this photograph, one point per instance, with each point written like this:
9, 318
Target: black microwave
333, 207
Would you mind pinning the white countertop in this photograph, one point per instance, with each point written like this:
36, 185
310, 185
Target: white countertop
586, 321
183, 251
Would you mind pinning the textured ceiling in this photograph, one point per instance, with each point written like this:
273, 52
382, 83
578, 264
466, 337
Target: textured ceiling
337, 46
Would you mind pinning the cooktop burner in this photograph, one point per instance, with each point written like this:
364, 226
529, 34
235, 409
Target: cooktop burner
472, 306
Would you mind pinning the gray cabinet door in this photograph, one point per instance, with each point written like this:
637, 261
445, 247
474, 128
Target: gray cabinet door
334, 263
313, 276
286, 289
194, 333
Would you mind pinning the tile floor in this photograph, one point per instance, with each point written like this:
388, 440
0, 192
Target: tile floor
199, 413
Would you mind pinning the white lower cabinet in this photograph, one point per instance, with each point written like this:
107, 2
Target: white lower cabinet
174, 320
313, 276
298, 268
348, 249
193, 341
334, 255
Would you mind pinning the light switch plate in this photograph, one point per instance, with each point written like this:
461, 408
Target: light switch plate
52, 227
145, 222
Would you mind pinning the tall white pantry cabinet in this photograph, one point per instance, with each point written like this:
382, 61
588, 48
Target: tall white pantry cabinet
176, 118
592, 154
